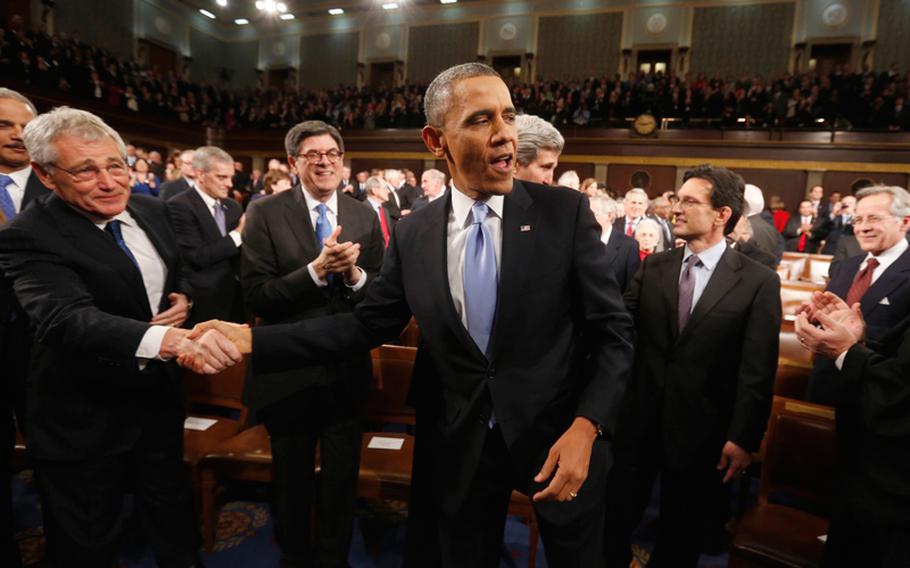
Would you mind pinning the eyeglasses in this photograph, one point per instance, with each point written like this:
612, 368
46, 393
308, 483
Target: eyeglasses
86, 174
315, 157
871, 220
690, 203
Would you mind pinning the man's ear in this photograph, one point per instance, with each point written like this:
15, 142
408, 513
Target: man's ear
434, 140
44, 176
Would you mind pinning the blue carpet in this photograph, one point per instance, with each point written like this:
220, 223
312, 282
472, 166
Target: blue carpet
245, 533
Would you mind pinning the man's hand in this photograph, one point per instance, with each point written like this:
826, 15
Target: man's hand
570, 455
209, 353
176, 314
240, 224
734, 459
239, 334
338, 258
836, 335
348, 189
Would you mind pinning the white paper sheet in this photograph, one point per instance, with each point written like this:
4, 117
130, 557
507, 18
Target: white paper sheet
197, 423
383, 443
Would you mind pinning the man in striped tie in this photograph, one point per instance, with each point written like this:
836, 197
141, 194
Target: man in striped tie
879, 278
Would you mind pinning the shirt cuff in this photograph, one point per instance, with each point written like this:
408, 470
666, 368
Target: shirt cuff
235, 236
839, 362
318, 281
360, 282
150, 345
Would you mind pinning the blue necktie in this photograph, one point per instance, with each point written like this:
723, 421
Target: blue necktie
218, 209
323, 230
113, 229
6, 201
480, 279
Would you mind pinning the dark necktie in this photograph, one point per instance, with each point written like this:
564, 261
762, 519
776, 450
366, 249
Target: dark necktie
686, 291
113, 229
862, 282
6, 200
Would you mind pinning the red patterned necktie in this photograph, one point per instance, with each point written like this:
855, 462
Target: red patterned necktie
861, 283
630, 230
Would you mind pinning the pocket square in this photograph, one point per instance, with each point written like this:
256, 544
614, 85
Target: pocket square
884, 302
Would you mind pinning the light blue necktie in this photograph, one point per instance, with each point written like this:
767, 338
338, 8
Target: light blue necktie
480, 279
113, 228
6, 200
218, 209
323, 230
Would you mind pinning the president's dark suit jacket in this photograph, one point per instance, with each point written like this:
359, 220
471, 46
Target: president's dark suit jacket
278, 242
622, 250
560, 345
712, 382
875, 404
812, 243
214, 259
88, 310
886, 303
171, 188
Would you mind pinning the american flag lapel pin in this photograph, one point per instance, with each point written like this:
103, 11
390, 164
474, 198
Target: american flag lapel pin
525, 228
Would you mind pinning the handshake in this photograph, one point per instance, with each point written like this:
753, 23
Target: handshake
208, 348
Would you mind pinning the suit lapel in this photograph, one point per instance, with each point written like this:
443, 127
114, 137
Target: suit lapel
205, 217
297, 217
887, 282
723, 280
517, 248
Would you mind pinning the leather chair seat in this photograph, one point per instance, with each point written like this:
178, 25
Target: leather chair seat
778, 536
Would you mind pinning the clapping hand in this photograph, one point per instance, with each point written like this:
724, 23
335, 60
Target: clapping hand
842, 326
338, 258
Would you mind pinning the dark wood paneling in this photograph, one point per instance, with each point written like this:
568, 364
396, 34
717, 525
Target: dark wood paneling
843, 181
790, 185
663, 178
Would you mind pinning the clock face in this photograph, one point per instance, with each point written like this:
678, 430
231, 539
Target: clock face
645, 124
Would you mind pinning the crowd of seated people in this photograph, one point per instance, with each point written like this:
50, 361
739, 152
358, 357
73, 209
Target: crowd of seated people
843, 98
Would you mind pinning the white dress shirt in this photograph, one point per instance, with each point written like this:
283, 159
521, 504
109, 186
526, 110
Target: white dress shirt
460, 220
633, 222
605, 235
709, 259
332, 215
885, 260
210, 204
154, 275
17, 188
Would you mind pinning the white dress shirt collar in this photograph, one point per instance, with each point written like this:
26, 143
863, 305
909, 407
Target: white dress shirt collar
886, 258
462, 204
710, 256
17, 188
210, 202
312, 202
605, 234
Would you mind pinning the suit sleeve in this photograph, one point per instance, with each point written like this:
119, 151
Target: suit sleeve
758, 366
884, 384
268, 292
380, 318
633, 263
606, 325
194, 249
791, 228
370, 260
59, 306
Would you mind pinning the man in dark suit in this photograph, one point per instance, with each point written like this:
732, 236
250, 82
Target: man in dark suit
401, 194
514, 379
870, 521
621, 249
288, 276
841, 224
99, 276
820, 209
879, 278
708, 320
378, 198
433, 183
635, 206
804, 231
208, 225
18, 187
539, 147
171, 188
764, 235
742, 240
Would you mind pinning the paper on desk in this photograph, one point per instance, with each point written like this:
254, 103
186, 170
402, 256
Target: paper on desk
197, 423
383, 443
823, 538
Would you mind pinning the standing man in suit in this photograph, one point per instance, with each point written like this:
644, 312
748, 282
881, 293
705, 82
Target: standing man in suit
870, 523
18, 186
841, 224
708, 320
208, 225
621, 249
99, 277
764, 235
819, 209
289, 276
804, 232
635, 205
347, 185
378, 199
186, 181
660, 212
539, 147
519, 371
879, 278
433, 183
400, 193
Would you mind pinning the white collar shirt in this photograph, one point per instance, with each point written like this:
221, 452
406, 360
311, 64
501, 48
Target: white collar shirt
703, 272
